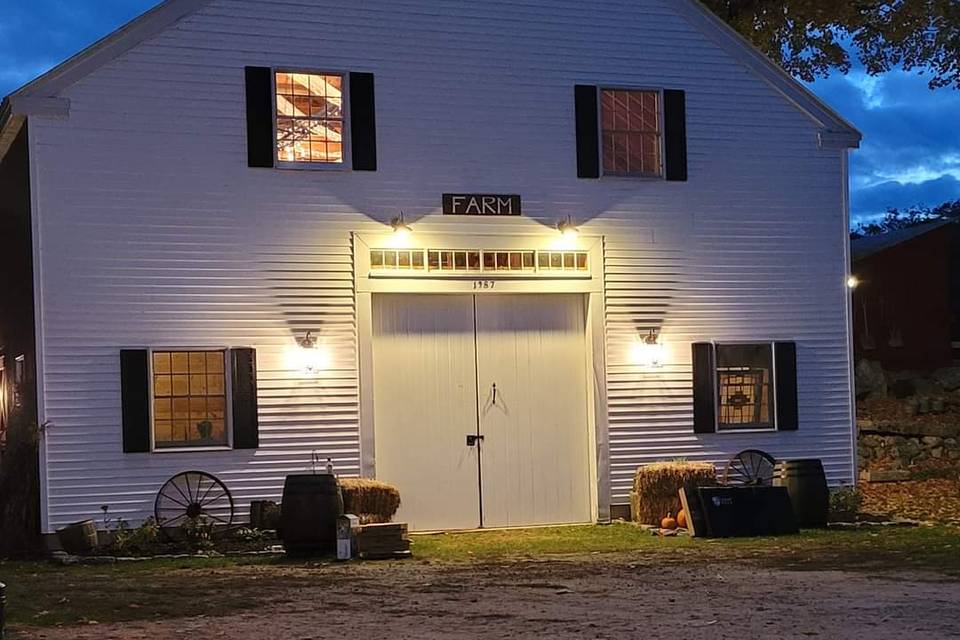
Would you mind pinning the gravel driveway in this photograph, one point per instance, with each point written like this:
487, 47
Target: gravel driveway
613, 596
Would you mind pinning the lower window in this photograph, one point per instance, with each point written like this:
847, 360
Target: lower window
189, 399
744, 386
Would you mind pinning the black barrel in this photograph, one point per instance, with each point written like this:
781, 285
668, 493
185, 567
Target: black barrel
308, 514
807, 485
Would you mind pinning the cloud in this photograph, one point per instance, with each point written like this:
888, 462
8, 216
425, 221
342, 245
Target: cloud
874, 200
911, 149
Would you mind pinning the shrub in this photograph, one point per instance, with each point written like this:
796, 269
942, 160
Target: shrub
198, 533
371, 500
20, 490
845, 504
140, 541
656, 488
252, 535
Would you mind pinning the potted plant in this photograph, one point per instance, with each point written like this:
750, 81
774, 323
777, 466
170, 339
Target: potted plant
205, 429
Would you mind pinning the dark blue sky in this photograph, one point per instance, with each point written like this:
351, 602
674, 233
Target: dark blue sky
910, 155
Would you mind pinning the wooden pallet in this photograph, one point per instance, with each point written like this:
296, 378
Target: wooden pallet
380, 541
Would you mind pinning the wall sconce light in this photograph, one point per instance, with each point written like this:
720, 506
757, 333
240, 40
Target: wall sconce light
853, 282
312, 358
649, 351
568, 229
400, 226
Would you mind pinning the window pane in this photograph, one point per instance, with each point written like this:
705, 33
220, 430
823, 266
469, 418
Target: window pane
744, 385
161, 362
630, 123
195, 415
309, 118
162, 386
181, 385
180, 362
214, 362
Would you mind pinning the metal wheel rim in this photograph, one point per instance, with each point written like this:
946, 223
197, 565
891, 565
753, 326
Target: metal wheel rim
750, 468
191, 495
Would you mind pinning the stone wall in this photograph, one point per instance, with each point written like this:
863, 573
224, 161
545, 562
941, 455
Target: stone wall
905, 446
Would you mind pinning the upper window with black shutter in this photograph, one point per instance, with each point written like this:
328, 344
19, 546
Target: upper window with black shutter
310, 118
632, 132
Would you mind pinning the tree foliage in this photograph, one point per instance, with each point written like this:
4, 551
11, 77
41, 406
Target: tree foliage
895, 219
810, 38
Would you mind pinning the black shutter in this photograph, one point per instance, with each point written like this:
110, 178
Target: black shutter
363, 122
259, 116
246, 427
675, 133
785, 371
588, 135
135, 400
704, 392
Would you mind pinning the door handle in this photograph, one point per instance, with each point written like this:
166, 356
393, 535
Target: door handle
472, 440
494, 393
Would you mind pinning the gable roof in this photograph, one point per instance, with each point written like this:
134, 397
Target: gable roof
867, 246
40, 96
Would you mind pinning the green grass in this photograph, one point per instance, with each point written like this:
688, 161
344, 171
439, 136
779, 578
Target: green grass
870, 549
43, 594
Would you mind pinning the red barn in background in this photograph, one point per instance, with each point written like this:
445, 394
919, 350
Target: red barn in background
907, 302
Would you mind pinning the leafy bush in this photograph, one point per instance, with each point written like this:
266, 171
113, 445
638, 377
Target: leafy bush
252, 535
20, 489
140, 541
845, 504
198, 533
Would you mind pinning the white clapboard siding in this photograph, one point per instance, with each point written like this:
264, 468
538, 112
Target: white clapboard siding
153, 231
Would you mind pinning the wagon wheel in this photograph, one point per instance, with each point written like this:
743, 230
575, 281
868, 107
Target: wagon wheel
750, 468
191, 495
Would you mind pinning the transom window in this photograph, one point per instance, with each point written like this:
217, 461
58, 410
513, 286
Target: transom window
630, 122
189, 399
477, 261
744, 386
310, 120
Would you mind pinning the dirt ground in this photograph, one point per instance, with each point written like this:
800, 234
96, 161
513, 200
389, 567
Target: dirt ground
609, 596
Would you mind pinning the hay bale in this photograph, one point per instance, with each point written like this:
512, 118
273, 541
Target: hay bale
656, 488
371, 500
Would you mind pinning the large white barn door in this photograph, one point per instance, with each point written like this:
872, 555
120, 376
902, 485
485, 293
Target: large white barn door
425, 391
533, 409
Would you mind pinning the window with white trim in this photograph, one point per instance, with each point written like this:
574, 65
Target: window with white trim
745, 386
310, 118
632, 133
189, 399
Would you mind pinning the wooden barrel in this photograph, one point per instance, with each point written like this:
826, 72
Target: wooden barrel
308, 514
806, 484
79, 537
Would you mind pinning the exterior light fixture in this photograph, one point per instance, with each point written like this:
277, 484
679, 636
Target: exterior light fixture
568, 229
649, 351
853, 282
311, 357
400, 226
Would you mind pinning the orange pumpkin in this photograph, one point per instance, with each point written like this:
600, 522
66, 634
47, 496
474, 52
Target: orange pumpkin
682, 519
668, 522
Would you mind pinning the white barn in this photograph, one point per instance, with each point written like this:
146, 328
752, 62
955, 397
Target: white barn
254, 236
